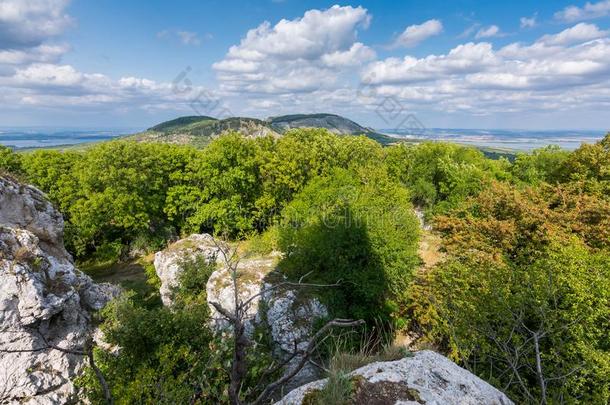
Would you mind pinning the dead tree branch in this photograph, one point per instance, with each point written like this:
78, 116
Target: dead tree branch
236, 318
306, 355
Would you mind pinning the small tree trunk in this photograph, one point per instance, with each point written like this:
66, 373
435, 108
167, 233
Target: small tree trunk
239, 367
100, 376
539, 369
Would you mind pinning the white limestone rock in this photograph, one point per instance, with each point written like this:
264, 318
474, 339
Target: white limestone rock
251, 274
219, 288
169, 262
44, 301
288, 314
424, 378
291, 317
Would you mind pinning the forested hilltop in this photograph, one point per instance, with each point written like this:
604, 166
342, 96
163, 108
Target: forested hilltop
200, 130
518, 290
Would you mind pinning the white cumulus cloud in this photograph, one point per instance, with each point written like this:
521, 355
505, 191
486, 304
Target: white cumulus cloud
588, 12
415, 34
579, 33
296, 55
355, 55
29, 23
563, 71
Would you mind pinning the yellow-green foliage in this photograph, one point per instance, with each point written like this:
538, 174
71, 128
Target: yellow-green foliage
440, 175
9, 161
525, 269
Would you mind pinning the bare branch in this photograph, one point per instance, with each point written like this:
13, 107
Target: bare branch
229, 316
277, 286
236, 317
311, 347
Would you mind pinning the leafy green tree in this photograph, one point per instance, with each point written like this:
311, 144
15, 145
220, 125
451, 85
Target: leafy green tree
9, 161
542, 165
302, 154
110, 194
122, 190
523, 296
440, 175
217, 191
53, 172
238, 185
356, 227
590, 164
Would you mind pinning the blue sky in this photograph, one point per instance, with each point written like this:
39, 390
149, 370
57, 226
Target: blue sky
467, 64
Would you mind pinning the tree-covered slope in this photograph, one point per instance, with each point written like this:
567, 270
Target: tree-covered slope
200, 130
181, 122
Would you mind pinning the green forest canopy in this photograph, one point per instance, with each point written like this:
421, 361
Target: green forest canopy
526, 243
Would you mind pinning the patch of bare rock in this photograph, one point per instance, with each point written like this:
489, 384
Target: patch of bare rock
425, 377
45, 302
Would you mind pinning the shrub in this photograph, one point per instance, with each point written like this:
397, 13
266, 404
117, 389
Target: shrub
357, 229
9, 161
525, 287
170, 356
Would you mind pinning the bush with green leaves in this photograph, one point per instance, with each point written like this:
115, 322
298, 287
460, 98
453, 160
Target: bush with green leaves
355, 228
10, 162
441, 175
170, 355
165, 357
523, 297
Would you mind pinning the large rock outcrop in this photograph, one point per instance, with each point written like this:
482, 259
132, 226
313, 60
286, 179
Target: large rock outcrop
290, 316
287, 313
251, 274
169, 262
45, 302
424, 378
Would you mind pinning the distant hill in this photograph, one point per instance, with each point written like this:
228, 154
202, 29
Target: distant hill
334, 123
181, 123
200, 130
